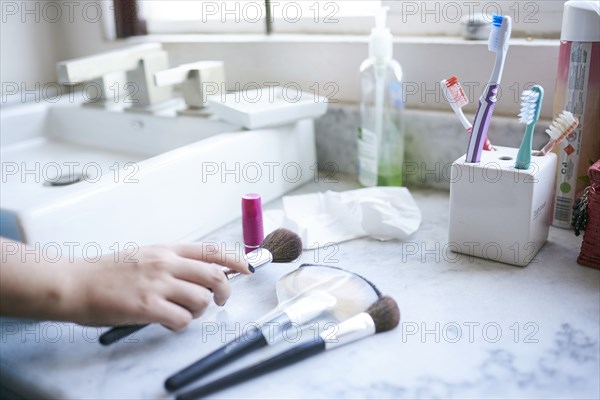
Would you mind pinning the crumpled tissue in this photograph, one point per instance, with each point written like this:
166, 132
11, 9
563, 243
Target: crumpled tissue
321, 219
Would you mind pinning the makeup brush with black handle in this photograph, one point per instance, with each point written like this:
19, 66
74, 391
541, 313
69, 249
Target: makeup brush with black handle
382, 316
298, 313
280, 246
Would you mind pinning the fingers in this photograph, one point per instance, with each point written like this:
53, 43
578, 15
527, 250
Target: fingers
193, 298
209, 276
190, 275
210, 253
171, 315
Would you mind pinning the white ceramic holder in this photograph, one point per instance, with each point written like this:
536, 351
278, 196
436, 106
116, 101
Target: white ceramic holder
498, 212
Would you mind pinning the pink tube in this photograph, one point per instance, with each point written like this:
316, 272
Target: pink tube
252, 221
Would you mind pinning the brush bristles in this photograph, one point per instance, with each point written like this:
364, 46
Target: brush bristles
529, 104
561, 124
284, 245
495, 33
456, 92
385, 314
498, 36
451, 81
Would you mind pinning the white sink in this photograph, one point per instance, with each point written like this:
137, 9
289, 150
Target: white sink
146, 179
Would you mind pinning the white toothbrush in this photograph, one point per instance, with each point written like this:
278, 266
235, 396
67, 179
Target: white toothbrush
562, 126
455, 95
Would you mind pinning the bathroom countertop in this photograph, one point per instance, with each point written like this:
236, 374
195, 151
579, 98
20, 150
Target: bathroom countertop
470, 329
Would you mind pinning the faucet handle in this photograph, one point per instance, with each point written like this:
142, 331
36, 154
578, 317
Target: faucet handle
197, 80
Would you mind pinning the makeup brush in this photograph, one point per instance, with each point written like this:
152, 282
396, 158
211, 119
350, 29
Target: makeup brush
280, 246
298, 313
382, 316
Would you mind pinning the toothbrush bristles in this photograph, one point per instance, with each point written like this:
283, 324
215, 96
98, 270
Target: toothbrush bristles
451, 81
497, 20
562, 126
494, 40
562, 123
456, 92
529, 99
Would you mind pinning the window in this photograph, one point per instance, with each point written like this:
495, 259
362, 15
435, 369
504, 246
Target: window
250, 16
443, 18
173, 16
311, 16
406, 17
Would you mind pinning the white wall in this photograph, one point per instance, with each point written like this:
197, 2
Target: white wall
35, 35
28, 48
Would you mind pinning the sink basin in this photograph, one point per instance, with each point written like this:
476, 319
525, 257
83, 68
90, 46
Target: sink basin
74, 174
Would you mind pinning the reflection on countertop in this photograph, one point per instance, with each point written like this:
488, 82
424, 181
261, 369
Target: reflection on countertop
470, 328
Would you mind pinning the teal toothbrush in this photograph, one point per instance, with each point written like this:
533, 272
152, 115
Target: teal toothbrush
531, 104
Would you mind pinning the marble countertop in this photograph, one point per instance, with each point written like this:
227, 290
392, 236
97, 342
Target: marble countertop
470, 329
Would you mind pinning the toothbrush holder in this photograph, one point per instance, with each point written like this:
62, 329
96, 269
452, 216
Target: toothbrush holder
498, 212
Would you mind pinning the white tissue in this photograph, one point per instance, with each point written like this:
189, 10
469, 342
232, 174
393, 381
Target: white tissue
321, 219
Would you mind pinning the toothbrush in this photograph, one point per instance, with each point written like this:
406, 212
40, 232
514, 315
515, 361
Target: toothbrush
498, 43
562, 126
531, 104
455, 95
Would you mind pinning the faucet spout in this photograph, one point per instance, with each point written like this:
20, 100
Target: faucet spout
139, 63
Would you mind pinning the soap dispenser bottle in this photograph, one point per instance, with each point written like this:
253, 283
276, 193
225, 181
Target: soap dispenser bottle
381, 134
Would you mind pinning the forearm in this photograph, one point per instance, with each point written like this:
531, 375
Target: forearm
31, 287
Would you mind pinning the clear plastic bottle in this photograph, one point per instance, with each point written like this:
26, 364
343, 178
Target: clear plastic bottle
381, 135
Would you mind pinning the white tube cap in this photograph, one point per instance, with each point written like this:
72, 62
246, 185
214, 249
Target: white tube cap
581, 21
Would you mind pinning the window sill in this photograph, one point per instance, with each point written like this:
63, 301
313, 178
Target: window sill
324, 39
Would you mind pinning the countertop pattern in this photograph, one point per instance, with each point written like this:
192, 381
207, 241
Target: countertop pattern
470, 328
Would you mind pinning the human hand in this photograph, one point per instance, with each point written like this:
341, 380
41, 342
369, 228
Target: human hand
169, 284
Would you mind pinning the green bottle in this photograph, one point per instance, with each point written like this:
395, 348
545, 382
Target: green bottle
381, 135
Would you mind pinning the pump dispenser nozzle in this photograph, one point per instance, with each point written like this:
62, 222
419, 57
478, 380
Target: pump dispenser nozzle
381, 40
380, 18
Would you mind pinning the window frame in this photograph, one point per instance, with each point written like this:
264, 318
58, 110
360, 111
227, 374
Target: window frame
127, 19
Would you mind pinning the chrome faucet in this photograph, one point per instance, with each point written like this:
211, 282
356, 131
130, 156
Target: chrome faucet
134, 65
